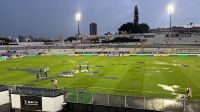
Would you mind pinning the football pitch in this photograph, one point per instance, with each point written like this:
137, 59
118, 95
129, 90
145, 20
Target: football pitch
133, 75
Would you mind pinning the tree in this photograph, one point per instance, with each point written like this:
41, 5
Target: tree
134, 27
108, 33
70, 39
143, 28
121, 39
5, 39
136, 16
128, 28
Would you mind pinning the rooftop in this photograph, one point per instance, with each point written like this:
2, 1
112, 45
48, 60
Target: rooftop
37, 91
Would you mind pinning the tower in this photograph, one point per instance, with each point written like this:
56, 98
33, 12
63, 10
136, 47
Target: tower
93, 29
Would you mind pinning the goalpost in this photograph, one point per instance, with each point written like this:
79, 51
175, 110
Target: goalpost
84, 67
43, 73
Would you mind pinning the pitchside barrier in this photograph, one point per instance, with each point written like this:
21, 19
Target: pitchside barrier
140, 55
183, 55
30, 55
88, 54
58, 55
92, 102
160, 55
80, 107
3, 58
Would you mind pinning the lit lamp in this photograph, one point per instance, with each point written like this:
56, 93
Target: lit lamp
78, 18
170, 9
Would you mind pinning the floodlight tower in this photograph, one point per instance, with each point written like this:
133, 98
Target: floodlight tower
170, 9
78, 19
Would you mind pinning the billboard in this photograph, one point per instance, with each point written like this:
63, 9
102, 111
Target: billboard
31, 102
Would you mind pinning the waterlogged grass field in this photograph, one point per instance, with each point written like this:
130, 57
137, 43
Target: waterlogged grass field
137, 76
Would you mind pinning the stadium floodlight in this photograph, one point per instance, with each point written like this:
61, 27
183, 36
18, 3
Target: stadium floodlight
78, 16
170, 10
78, 19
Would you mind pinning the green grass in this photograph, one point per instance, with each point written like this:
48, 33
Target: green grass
138, 76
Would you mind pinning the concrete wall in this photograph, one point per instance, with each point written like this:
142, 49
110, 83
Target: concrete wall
4, 97
52, 104
31, 43
16, 101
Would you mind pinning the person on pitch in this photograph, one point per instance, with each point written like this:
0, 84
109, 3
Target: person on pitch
55, 83
189, 92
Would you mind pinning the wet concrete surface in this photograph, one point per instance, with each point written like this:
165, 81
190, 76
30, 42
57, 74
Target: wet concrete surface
5, 108
157, 104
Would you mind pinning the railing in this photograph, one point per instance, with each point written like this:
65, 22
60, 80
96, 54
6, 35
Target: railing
147, 103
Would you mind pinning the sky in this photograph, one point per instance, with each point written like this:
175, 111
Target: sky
51, 18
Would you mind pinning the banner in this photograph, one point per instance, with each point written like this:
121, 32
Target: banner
3, 58
31, 102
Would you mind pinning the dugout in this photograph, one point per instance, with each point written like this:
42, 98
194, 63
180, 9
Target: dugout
37, 99
4, 95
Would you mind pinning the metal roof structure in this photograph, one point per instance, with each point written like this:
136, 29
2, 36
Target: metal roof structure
44, 92
3, 88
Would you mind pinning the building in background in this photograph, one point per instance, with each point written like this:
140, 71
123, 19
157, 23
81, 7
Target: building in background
93, 29
178, 29
2, 42
24, 38
5, 40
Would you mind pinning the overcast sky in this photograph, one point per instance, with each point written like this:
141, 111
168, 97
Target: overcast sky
51, 18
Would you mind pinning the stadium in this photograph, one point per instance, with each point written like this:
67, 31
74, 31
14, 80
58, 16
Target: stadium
116, 67
154, 76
